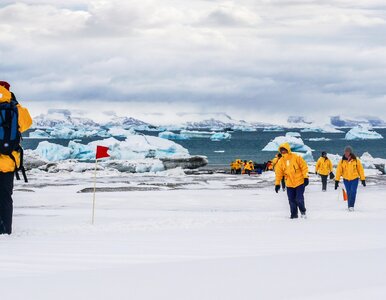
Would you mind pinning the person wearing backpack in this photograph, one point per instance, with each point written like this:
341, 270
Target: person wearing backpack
14, 119
351, 169
324, 168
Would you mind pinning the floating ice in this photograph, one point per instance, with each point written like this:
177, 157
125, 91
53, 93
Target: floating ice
362, 133
219, 136
196, 134
297, 144
172, 136
322, 139
273, 129
322, 129
295, 134
134, 147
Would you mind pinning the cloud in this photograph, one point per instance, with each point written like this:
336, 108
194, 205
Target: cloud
263, 56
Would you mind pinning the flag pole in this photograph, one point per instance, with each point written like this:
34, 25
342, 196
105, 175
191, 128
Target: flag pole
93, 199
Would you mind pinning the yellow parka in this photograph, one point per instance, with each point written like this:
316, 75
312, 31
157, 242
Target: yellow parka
25, 122
323, 166
350, 170
237, 164
292, 167
249, 166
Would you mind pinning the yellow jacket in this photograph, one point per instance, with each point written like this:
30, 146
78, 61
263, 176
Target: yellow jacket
238, 164
249, 166
350, 170
292, 167
323, 166
25, 122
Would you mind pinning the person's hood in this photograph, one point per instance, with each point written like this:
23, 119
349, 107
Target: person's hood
5, 95
286, 146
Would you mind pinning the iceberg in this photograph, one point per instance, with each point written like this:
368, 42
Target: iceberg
297, 144
295, 134
134, 147
219, 136
244, 128
322, 129
273, 129
196, 134
362, 133
172, 136
39, 134
120, 132
53, 152
307, 156
370, 162
322, 139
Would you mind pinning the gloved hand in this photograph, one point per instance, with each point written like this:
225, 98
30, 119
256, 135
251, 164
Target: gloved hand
336, 184
332, 176
364, 182
277, 188
306, 181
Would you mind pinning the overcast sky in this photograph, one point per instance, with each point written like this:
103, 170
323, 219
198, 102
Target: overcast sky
246, 58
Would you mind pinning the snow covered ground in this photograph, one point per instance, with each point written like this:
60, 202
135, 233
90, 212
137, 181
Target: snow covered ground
172, 236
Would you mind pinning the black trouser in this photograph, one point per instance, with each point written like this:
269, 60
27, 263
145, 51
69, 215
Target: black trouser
296, 200
6, 203
324, 182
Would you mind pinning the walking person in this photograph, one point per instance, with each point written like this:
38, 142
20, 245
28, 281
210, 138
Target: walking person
351, 169
14, 120
294, 169
324, 169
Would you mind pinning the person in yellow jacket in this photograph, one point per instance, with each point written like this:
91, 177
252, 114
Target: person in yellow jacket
295, 171
275, 160
233, 165
10, 163
324, 168
351, 169
238, 166
249, 167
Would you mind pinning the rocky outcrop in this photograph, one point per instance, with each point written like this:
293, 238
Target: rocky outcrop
193, 162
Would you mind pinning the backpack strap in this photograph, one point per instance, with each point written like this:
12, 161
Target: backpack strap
21, 166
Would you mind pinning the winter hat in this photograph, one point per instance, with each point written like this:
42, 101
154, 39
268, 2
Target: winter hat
324, 153
348, 149
5, 84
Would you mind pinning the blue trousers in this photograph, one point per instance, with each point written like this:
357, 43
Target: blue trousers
296, 199
351, 188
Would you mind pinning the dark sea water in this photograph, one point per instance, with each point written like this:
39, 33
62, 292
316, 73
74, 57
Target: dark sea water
248, 145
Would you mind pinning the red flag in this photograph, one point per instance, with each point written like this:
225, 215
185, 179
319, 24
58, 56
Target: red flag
345, 197
101, 152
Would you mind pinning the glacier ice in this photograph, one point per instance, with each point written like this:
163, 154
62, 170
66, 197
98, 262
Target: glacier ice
297, 144
219, 136
362, 133
169, 135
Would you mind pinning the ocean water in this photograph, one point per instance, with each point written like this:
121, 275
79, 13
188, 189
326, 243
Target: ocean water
248, 145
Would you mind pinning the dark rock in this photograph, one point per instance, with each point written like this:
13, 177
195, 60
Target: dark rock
193, 162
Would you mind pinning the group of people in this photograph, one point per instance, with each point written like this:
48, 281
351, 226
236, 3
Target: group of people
242, 167
291, 172
293, 169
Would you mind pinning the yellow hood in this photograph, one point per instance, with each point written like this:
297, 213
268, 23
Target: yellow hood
286, 146
5, 95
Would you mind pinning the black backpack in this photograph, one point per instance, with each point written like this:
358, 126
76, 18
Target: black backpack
10, 135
